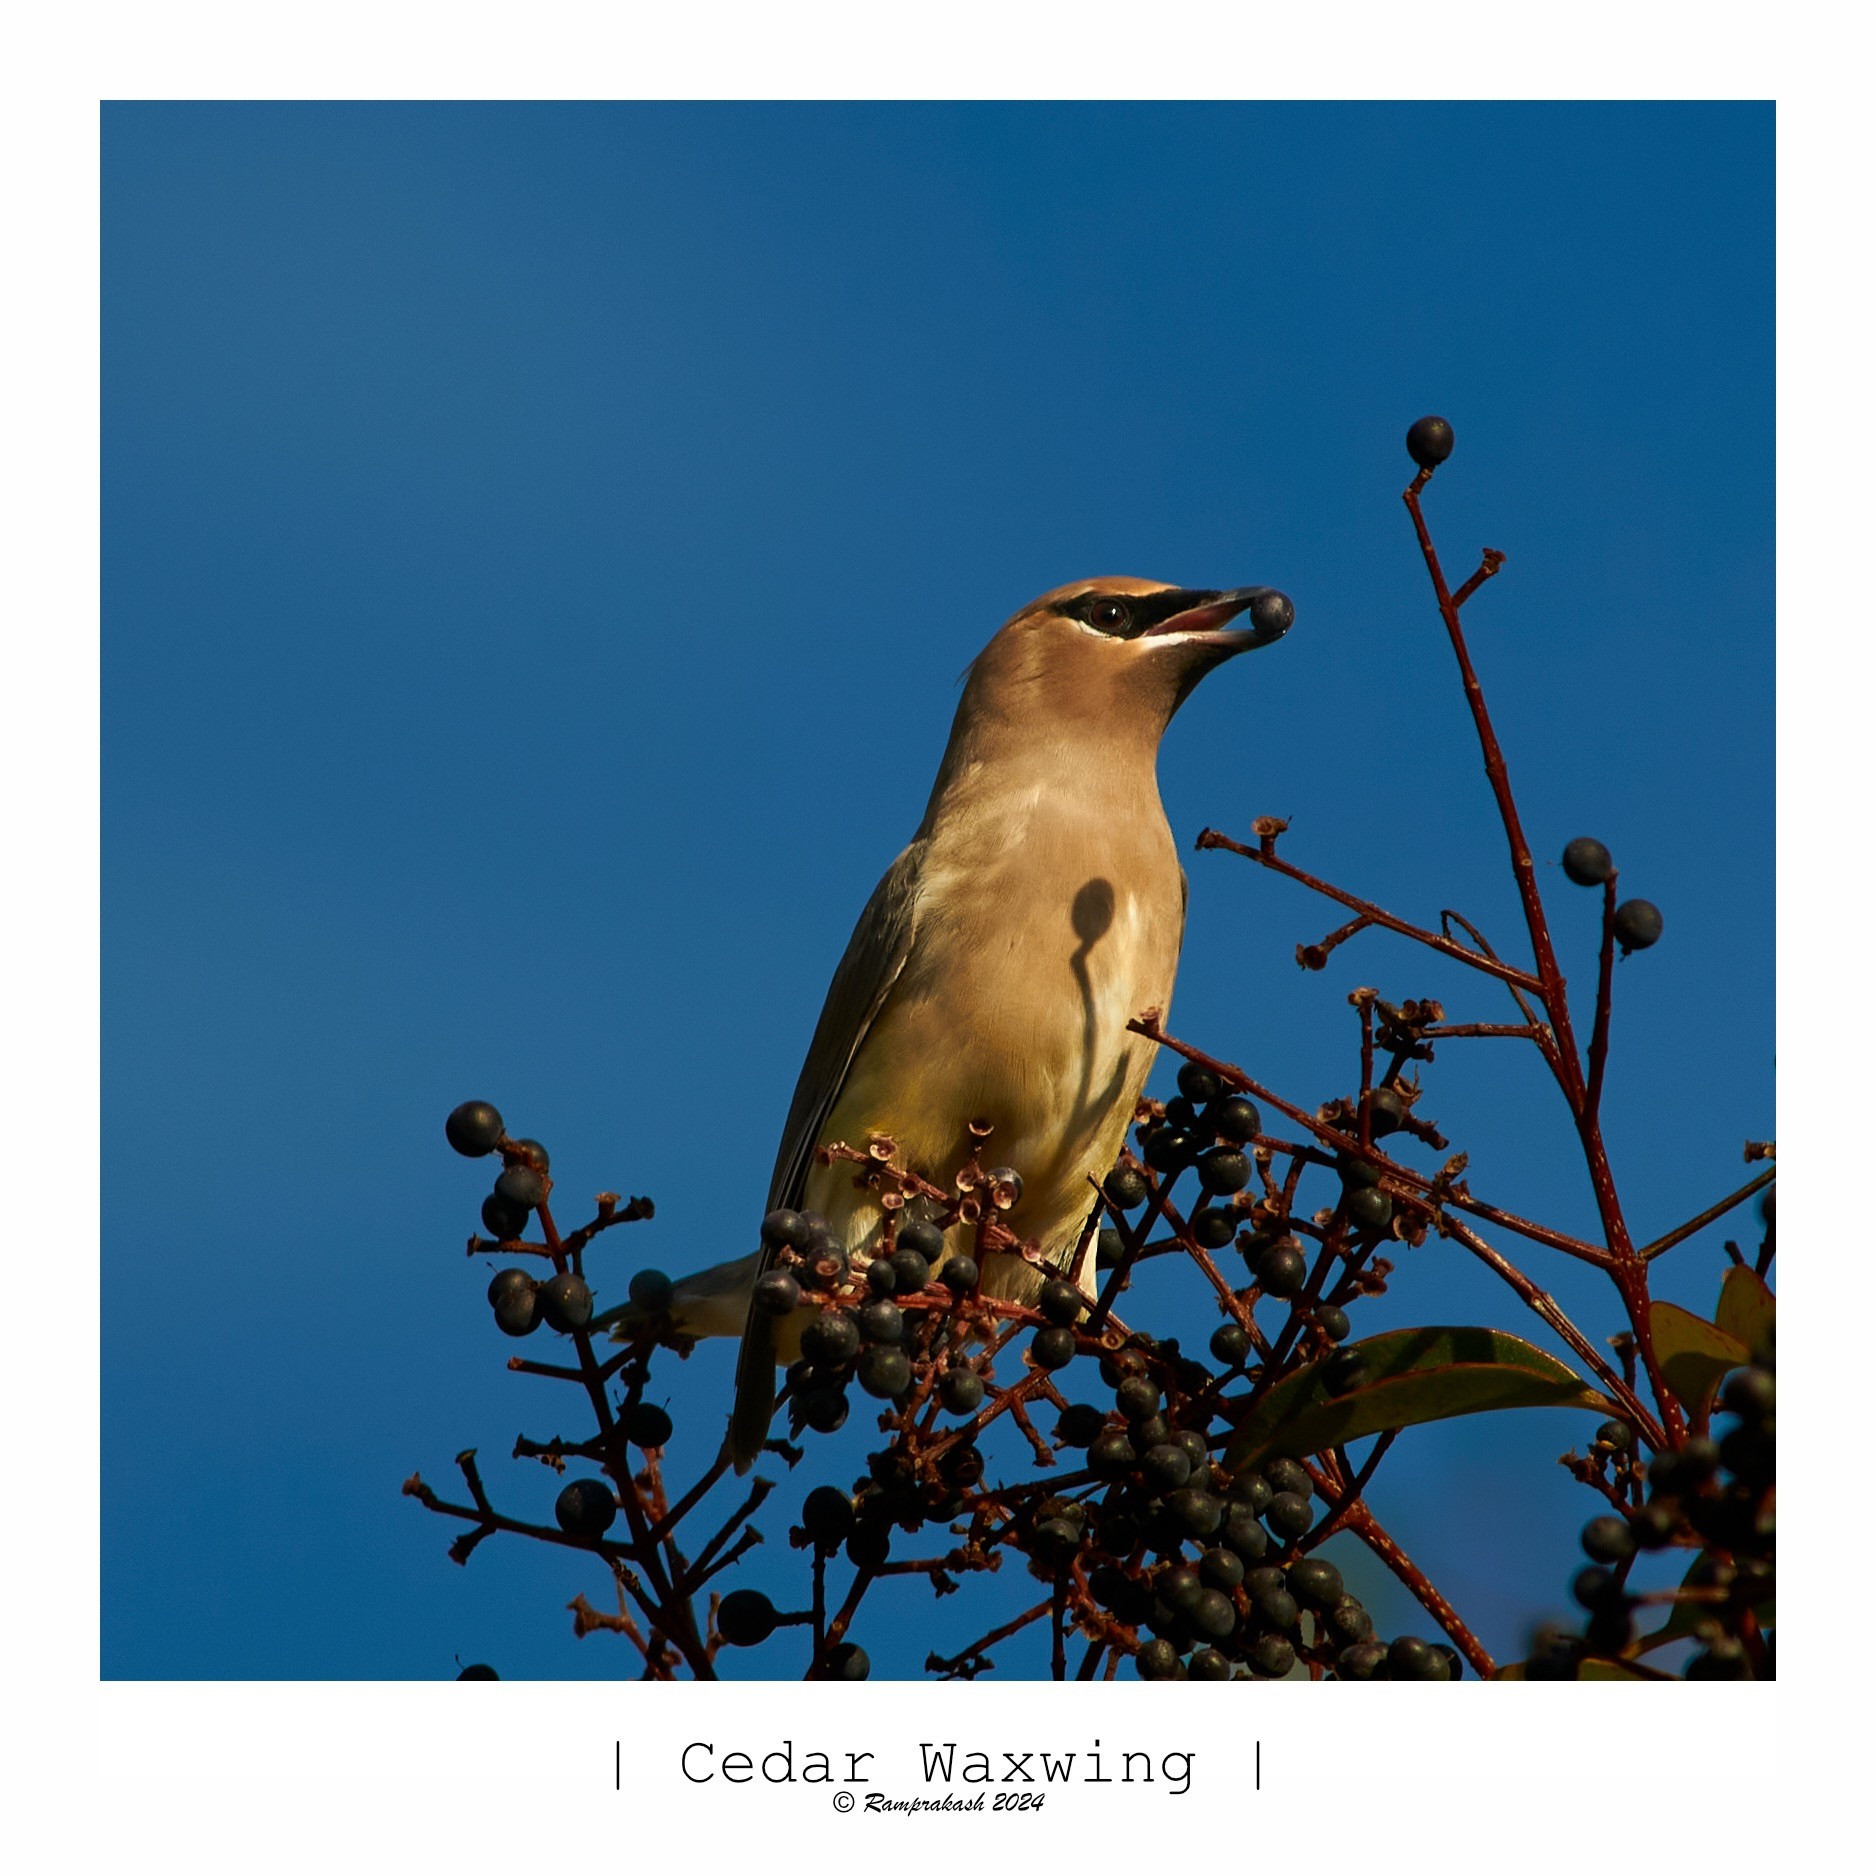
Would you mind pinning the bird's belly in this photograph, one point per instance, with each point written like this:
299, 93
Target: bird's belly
1018, 1026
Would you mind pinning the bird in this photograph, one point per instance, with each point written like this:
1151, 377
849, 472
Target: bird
1038, 908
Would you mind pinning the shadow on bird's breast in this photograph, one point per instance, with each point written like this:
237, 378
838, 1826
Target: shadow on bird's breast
1093, 912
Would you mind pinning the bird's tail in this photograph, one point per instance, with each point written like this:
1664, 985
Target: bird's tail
755, 1393
716, 1302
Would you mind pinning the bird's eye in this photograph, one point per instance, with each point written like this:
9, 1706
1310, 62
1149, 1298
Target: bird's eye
1109, 615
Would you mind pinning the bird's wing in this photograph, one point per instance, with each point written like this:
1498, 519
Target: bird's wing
875, 955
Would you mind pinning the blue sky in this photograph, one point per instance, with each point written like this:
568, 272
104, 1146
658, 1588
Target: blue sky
540, 544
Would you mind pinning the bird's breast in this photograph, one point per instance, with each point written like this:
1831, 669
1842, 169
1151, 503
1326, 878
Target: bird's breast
1039, 933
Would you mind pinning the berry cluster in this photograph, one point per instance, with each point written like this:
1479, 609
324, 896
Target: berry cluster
1208, 1563
521, 1302
1713, 1496
1213, 1132
1155, 1549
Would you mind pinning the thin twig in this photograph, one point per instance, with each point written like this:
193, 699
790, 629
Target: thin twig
1266, 856
1680, 1233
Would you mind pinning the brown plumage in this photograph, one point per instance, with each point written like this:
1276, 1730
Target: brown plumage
1039, 907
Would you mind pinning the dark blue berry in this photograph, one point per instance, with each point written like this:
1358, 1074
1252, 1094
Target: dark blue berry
652, 1291
1165, 1468
1593, 1584
1654, 1526
884, 1372
1230, 1344
1314, 1582
847, 1661
1243, 1534
1053, 1348
911, 1271
1125, 1187
869, 1546
1349, 1622
1272, 1656
1159, 1661
1608, 1539
1751, 1393
745, 1617
1195, 1513
1362, 1661
776, 1293
1637, 925
1214, 1227
521, 1187
1368, 1208
1167, 1149
1587, 862
824, 1410
827, 1517
959, 1274
1060, 1302
473, 1129
922, 1236
882, 1322
832, 1338
1288, 1515
1221, 1568
1236, 1118
1285, 1475
501, 1220
1430, 441
585, 1508
517, 1312
1281, 1268
1215, 1615
566, 1303
1411, 1659
510, 1279
1223, 1170
960, 1391
786, 1230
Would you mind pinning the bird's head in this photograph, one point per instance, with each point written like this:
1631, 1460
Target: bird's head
1118, 654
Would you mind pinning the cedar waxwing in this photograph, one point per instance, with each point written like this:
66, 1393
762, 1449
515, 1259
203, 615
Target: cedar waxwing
994, 971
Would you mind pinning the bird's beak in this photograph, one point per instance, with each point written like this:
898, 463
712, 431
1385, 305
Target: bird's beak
1268, 615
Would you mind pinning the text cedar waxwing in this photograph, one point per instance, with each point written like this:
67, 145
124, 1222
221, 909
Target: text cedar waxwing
993, 972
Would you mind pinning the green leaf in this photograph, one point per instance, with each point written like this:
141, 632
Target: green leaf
1408, 1377
1746, 1311
1693, 1352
